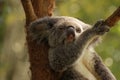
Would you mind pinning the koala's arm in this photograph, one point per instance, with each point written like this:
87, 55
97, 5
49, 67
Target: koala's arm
101, 70
64, 56
89, 35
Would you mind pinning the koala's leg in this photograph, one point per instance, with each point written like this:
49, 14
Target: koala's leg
101, 70
71, 74
95, 65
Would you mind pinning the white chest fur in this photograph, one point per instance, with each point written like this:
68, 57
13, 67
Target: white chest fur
83, 66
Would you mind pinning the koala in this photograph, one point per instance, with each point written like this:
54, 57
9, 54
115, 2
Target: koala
72, 43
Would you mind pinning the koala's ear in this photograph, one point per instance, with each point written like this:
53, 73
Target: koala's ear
39, 29
43, 24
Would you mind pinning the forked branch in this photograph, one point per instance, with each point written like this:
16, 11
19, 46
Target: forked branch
29, 11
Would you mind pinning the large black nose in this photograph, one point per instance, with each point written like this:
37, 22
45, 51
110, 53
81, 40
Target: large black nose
70, 31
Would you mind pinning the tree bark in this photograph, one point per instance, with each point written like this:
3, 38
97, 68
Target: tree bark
38, 54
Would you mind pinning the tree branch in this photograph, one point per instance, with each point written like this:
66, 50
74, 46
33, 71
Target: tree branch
111, 20
29, 12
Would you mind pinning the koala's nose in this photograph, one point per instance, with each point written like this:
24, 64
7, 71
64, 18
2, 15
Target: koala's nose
71, 31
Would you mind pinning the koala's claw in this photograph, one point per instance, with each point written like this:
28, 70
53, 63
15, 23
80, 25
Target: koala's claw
100, 27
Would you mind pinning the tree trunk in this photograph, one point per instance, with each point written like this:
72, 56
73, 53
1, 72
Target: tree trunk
38, 54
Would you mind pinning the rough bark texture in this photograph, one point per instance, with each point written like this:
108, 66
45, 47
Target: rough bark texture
38, 54
43, 7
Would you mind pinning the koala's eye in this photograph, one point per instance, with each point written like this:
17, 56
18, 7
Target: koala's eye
78, 30
61, 28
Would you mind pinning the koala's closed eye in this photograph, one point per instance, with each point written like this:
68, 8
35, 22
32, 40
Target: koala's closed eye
61, 28
78, 30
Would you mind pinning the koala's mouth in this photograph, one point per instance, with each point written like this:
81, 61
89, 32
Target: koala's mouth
70, 38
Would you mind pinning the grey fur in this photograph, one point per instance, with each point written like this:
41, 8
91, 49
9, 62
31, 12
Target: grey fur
63, 55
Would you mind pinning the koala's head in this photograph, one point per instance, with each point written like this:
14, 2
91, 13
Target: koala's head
58, 30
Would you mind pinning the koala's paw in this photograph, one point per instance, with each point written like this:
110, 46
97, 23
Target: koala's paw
101, 28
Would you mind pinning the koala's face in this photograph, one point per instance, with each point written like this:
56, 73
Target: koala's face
64, 32
57, 30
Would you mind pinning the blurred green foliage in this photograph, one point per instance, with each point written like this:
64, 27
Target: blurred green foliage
88, 11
